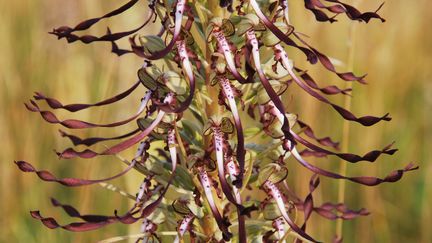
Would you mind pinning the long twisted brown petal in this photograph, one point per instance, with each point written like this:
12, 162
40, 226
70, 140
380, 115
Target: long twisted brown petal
64, 30
352, 158
326, 210
308, 204
78, 124
364, 180
94, 140
338, 8
73, 212
92, 222
88, 153
75, 227
55, 104
328, 90
311, 56
325, 61
71, 182
355, 14
347, 115
108, 37
321, 15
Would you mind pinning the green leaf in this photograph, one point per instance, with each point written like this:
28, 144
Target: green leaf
271, 211
152, 43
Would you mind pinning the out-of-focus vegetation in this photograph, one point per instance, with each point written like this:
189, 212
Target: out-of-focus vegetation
396, 55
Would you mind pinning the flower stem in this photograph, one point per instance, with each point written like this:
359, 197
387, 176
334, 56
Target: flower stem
346, 125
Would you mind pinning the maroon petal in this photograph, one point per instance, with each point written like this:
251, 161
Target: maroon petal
353, 158
93, 140
73, 212
347, 115
355, 14
55, 104
88, 153
72, 182
311, 56
329, 90
75, 227
78, 124
364, 180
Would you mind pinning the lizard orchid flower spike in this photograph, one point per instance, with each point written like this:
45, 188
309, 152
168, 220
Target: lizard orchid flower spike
212, 156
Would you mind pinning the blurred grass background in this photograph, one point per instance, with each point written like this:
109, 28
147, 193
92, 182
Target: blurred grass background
396, 55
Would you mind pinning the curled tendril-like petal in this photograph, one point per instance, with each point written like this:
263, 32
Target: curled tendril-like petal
88, 153
365, 121
108, 37
328, 90
71, 182
364, 180
75, 227
64, 30
93, 140
341, 7
78, 124
55, 104
325, 61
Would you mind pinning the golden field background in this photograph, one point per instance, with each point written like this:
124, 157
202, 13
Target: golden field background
396, 55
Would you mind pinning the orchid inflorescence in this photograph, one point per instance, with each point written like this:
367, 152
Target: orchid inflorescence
231, 59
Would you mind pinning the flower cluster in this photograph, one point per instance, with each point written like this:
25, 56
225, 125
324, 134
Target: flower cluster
223, 61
